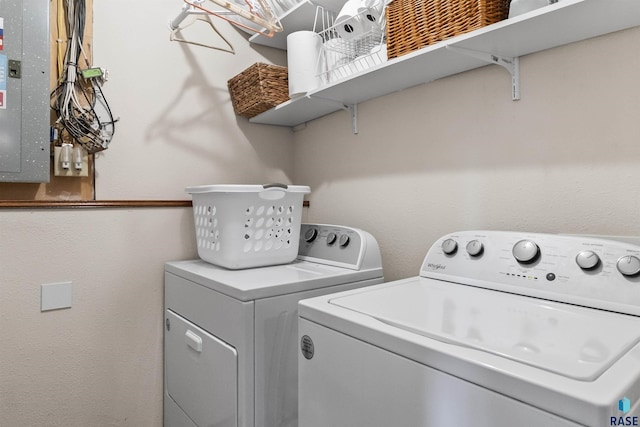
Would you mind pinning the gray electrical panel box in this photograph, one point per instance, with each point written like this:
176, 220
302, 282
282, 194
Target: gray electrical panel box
24, 91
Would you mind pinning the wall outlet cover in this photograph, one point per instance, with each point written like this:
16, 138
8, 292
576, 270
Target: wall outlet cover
55, 296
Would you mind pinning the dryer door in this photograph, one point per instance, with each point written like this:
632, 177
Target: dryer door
200, 373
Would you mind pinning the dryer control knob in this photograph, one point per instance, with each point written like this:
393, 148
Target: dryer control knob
628, 265
449, 246
525, 251
331, 238
344, 241
587, 260
310, 235
475, 248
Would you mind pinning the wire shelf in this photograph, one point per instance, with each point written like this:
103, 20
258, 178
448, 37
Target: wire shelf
340, 56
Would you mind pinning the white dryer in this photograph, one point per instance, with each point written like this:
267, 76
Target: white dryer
500, 329
231, 335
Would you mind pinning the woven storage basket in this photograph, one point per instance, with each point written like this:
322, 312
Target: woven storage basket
258, 89
414, 24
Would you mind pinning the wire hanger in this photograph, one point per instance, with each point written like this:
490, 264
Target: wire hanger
174, 36
258, 12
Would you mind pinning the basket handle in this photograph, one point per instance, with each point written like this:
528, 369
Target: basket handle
273, 191
275, 185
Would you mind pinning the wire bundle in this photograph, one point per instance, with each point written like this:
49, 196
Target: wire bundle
80, 105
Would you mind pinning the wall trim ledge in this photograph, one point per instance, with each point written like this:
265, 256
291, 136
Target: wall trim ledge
84, 204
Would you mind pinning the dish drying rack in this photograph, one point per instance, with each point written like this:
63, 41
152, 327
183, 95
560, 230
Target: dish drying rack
339, 57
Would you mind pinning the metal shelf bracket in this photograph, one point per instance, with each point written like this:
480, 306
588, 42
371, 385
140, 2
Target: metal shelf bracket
354, 117
511, 64
353, 108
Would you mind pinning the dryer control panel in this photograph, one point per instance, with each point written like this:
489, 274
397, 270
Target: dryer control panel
338, 245
588, 271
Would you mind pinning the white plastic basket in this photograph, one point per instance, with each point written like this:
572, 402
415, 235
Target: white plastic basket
243, 226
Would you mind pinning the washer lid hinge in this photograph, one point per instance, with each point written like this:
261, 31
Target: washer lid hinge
511, 64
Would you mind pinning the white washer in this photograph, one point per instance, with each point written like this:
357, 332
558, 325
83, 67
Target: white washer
500, 329
231, 335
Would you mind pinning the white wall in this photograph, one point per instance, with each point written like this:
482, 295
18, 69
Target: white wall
99, 363
457, 153
177, 126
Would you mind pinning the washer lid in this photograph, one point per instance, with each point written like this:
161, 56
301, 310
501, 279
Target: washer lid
567, 340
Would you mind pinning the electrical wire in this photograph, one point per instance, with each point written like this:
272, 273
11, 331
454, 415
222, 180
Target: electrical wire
76, 99
62, 35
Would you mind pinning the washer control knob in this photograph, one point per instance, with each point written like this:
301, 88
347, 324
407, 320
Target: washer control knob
629, 265
310, 235
525, 251
475, 248
587, 260
449, 246
331, 238
344, 241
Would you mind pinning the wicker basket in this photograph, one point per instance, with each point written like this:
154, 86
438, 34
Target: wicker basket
258, 89
414, 24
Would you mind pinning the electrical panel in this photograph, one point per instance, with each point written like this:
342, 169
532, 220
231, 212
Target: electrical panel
24, 91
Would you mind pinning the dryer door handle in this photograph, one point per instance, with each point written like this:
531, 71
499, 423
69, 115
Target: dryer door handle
193, 340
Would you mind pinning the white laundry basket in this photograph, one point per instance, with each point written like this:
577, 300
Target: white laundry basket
243, 226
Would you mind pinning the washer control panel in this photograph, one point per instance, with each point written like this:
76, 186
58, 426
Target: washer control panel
590, 271
331, 244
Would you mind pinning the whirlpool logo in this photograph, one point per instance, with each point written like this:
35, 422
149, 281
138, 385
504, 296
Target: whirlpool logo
436, 267
624, 406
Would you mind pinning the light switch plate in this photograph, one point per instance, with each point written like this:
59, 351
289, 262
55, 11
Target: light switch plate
55, 296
